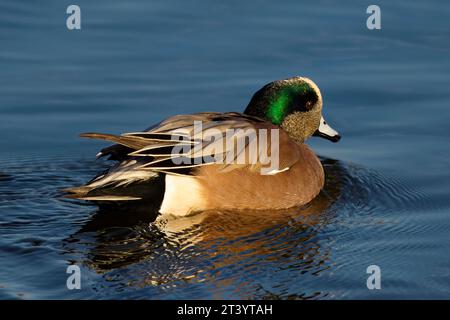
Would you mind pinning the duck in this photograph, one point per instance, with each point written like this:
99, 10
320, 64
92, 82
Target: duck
189, 162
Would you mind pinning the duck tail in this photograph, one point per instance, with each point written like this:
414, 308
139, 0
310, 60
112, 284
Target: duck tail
76, 192
83, 193
132, 142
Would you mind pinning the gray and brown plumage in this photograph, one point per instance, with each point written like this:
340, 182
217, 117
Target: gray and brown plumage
195, 181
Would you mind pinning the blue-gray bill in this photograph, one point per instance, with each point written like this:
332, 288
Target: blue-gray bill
327, 132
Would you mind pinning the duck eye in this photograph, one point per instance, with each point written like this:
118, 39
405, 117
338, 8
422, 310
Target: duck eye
309, 105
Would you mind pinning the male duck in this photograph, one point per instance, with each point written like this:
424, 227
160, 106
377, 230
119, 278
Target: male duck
189, 181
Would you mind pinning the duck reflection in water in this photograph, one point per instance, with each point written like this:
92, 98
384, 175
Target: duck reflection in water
198, 247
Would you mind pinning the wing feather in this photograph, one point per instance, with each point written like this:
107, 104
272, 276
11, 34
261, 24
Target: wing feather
210, 145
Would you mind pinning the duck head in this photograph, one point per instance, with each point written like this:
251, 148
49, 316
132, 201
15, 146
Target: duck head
294, 104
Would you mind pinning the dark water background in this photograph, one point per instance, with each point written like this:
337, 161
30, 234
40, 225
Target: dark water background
386, 201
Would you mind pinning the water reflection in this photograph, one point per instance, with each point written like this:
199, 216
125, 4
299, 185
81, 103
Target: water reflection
307, 252
211, 247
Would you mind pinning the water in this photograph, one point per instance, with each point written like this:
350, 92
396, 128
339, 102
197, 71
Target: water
386, 200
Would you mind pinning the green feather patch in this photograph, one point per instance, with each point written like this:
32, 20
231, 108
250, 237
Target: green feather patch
281, 104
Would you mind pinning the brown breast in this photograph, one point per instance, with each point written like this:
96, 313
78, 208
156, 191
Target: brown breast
242, 188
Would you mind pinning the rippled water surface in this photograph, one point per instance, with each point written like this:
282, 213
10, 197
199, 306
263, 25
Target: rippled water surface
387, 195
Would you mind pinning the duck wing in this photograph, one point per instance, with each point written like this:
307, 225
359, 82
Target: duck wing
181, 143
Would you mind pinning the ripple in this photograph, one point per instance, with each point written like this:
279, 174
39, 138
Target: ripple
360, 217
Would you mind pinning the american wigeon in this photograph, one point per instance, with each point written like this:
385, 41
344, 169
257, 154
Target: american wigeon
197, 169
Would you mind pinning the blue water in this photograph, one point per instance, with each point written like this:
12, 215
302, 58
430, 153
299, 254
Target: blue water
386, 201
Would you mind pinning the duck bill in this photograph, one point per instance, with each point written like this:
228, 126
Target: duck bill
327, 132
